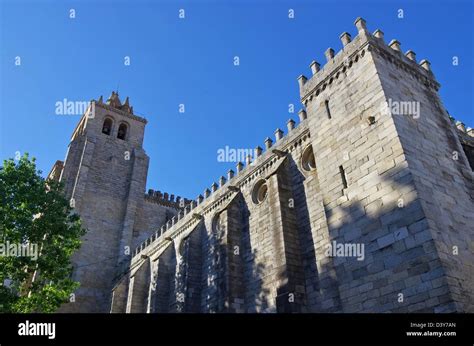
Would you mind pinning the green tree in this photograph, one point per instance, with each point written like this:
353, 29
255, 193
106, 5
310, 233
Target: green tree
34, 213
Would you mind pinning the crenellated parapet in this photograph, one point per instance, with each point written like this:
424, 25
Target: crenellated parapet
352, 52
462, 127
166, 199
262, 163
465, 134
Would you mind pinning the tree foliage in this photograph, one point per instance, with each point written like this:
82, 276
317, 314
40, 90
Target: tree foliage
34, 213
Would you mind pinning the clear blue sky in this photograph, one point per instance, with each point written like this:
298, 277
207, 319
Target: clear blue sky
190, 61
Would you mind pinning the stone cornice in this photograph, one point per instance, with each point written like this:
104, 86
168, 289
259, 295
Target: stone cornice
154, 200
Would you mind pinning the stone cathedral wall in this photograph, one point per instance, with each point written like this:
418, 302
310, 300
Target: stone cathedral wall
230, 247
393, 188
350, 172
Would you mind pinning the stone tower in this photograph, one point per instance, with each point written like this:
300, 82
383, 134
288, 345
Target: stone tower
394, 176
104, 175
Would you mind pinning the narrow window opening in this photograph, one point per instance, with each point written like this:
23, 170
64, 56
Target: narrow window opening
308, 161
107, 127
260, 192
343, 177
122, 131
328, 111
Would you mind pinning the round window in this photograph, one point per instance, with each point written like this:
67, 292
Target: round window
308, 161
260, 192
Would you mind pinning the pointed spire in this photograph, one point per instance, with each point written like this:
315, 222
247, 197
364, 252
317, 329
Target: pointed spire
114, 100
126, 106
101, 99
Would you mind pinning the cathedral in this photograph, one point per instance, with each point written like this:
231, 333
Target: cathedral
363, 205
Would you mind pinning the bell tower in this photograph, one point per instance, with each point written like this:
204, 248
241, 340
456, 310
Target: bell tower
105, 177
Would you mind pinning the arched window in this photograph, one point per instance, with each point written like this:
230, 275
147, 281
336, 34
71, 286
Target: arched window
308, 161
122, 131
107, 127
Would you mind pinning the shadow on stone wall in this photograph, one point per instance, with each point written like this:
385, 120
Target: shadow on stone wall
214, 281
317, 286
399, 253
255, 294
398, 270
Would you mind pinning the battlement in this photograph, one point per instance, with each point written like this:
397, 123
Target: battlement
228, 185
166, 199
353, 51
466, 137
465, 131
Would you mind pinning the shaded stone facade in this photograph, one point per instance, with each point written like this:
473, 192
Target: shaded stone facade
375, 166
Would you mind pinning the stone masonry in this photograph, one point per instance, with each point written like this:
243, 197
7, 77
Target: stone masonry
375, 169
